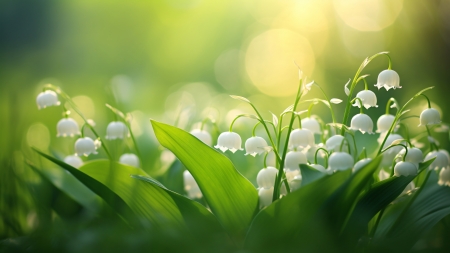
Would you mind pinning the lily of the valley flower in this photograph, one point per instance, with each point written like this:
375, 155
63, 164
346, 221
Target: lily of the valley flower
266, 177
291, 174
414, 156
229, 141
74, 161
46, 99
368, 98
67, 127
334, 142
191, 186
116, 130
441, 161
255, 146
429, 117
265, 196
405, 169
388, 79
129, 159
301, 138
311, 124
294, 159
384, 122
360, 164
203, 136
86, 146
340, 161
444, 177
363, 123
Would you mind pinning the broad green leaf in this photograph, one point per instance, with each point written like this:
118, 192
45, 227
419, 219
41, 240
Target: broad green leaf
373, 201
430, 206
199, 220
173, 177
281, 223
231, 197
130, 198
309, 174
339, 206
68, 196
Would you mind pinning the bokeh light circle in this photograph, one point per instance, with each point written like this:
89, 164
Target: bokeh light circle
269, 61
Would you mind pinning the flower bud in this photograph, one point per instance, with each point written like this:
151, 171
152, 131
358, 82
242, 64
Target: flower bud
265, 196
340, 161
129, 159
360, 164
405, 169
388, 79
229, 141
116, 130
384, 122
294, 159
333, 143
191, 186
430, 116
363, 123
301, 138
86, 146
311, 124
203, 136
67, 127
368, 98
444, 177
441, 161
255, 146
266, 177
73, 161
47, 98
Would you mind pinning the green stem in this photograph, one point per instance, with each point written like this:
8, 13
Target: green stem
309, 110
360, 104
388, 104
399, 144
428, 100
317, 152
326, 97
432, 144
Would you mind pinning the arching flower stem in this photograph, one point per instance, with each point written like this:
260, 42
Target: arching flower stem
66, 97
428, 100
317, 152
399, 144
388, 104
360, 104
326, 98
355, 80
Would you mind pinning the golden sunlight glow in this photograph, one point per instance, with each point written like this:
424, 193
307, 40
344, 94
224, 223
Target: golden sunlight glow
368, 15
269, 61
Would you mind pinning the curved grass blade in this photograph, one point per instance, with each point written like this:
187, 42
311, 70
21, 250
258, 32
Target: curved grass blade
231, 197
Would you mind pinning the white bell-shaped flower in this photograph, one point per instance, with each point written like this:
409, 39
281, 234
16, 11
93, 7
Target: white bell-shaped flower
291, 174
74, 161
129, 159
271, 159
255, 146
340, 161
363, 123
229, 141
405, 169
444, 177
46, 99
414, 156
333, 143
294, 159
86, 146
388, 79
266, 177
116, 130
191, 186
203, 136
67, 127
384, 122
265, 196
361, 163
301, 138
311, 124
441, 161
368, 98
430, 116
295, 183
390, 139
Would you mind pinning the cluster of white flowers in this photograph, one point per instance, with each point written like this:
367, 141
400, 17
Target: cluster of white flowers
339, 151
84, 146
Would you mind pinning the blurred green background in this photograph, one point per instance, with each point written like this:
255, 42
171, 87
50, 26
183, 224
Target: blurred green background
157, 58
